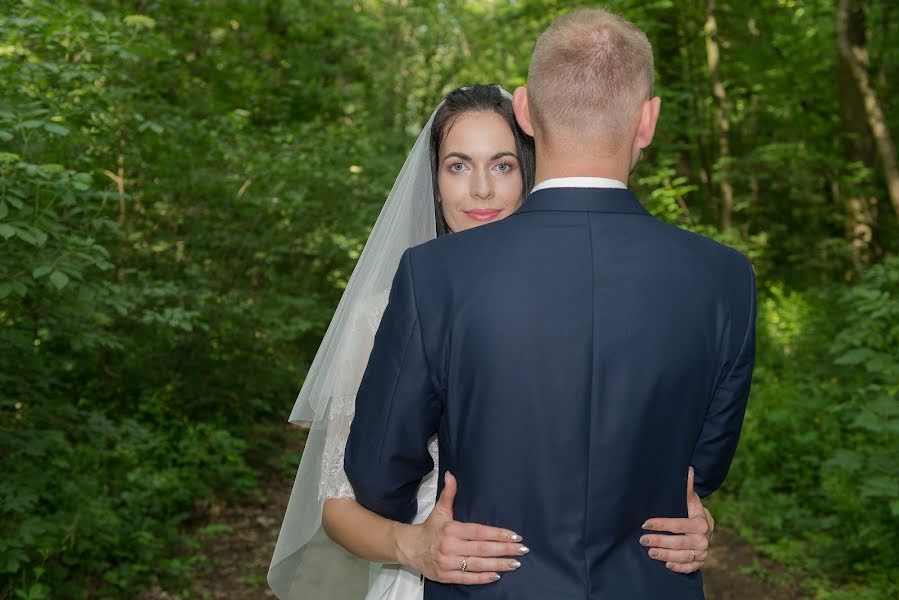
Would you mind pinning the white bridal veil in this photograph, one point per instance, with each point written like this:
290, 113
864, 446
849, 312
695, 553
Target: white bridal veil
306, 564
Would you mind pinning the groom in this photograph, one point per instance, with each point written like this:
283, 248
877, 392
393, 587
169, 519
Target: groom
574, 359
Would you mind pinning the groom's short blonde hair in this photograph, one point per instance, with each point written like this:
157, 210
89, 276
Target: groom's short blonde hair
590, 72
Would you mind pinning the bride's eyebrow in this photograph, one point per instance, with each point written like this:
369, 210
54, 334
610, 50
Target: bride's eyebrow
457, 155
466, 157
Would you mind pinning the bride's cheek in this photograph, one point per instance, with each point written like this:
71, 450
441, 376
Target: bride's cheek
513, 194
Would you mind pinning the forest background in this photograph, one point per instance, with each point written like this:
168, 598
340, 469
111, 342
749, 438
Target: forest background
186, 184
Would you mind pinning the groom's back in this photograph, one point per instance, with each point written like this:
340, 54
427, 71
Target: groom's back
580, 342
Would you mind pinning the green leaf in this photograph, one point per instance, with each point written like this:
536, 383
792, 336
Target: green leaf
856, 356
140, 22
151, 126
59, 279
846, 459
41, 271
7, 231
13, 286
31, 124
215, 529
55, 128
884, 487
27, 236
870, 422
81, 182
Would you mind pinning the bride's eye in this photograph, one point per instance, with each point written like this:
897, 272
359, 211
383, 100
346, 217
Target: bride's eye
457, 167
504, 167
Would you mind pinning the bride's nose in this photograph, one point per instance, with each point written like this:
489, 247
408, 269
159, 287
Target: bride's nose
481, 186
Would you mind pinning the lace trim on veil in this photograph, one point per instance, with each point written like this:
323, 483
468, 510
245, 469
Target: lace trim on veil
334, 483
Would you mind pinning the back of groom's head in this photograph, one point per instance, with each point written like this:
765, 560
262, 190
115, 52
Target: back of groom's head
590, 73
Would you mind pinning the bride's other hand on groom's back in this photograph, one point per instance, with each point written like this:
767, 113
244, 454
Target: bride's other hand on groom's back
686, 548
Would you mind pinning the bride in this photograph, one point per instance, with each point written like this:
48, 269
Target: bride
471, 165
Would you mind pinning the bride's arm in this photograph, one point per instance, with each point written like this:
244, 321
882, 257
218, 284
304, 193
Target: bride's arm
435, 548
362, 532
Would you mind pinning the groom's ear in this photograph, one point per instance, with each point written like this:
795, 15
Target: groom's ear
522, 110
649, 116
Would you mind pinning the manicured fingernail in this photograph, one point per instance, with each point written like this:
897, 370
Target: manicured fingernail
514, 564
654, 553
515, 537
524, 550
494, 577
647, 525
669, 565
644, 541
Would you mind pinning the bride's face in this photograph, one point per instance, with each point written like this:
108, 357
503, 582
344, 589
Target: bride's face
479, 175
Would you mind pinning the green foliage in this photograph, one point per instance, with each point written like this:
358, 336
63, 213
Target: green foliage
815, 477
81, 489
185, 187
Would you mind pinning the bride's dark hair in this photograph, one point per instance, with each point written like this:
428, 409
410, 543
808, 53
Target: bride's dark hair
478, 98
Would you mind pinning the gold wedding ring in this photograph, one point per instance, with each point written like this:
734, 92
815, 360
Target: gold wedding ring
463, 566
694, 555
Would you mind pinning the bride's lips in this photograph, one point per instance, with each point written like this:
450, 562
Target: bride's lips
482, 214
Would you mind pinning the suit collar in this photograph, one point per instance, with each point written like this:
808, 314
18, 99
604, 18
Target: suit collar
607, 200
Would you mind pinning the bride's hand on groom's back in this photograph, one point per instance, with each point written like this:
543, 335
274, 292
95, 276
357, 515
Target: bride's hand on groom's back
686, 548
438, 546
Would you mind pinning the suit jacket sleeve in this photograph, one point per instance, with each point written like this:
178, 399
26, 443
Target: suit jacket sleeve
398, 409
720, 431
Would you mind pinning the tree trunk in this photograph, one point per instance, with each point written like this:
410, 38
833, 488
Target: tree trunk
858, 145
850, 22
713, 55
119, 179
697, 156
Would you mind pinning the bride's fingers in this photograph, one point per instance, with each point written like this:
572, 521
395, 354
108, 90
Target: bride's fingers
694, 502
476, 564
447, 496
491, 549
466, 578
678, 556
709, 519
697, 526
482, 533
675, 542
684, 567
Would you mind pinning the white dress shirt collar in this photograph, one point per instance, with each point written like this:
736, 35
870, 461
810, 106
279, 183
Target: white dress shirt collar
579, 182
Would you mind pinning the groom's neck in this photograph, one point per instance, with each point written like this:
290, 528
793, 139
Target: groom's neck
552, 165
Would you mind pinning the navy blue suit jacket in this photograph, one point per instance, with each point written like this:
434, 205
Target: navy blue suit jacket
574, 359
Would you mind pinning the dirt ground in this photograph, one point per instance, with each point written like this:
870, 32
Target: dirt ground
237, 560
